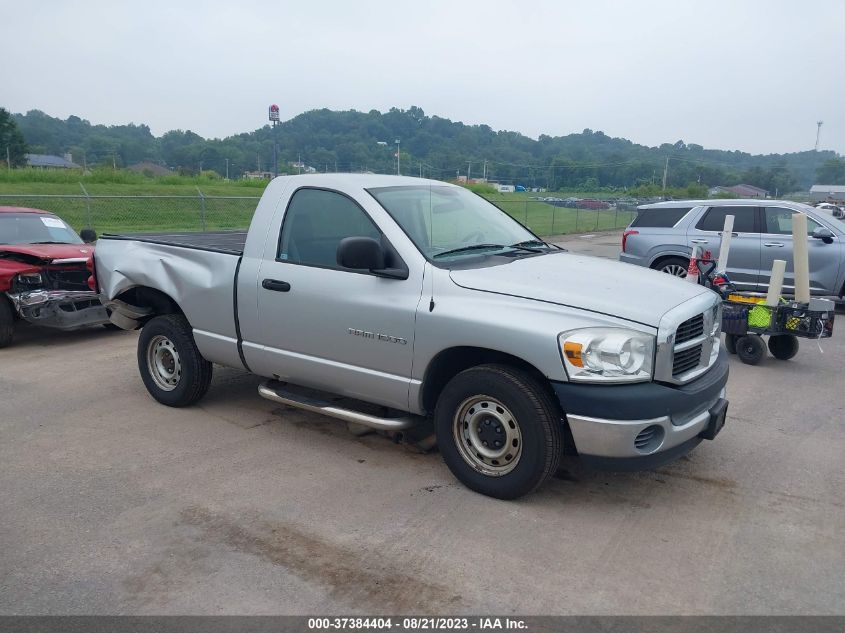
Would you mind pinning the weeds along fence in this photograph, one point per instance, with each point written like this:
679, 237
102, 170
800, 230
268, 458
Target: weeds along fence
150, 213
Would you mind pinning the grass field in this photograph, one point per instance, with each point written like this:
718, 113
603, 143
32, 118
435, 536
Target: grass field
174, 203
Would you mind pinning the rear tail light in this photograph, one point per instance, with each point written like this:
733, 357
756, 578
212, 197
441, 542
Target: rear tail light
92, 278
625, 236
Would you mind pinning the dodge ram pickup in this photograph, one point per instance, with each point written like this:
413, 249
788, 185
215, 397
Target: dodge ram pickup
427, 304
43, 273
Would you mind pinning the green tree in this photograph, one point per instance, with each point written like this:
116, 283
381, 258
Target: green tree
12, 144
831, 172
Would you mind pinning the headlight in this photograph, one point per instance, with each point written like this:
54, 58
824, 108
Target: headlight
607, 354
30, 280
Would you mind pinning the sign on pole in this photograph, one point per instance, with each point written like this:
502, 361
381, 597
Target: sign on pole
274, 112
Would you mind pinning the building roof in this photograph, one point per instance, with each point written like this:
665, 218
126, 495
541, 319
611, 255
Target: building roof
48, 160
827, 189
153, 168
748, 191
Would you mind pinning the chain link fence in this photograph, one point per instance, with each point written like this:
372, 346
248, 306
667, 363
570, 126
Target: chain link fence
137, 214
546, 218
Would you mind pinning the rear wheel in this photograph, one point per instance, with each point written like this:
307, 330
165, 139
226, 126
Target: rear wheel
7, 322
751, 349
675, 266
730, 343
498, 430
171, 366
783, 346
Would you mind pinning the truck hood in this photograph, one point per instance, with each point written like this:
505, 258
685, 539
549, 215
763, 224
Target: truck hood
46, 253
587, 283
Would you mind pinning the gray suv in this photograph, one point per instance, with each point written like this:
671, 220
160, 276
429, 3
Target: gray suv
663, 235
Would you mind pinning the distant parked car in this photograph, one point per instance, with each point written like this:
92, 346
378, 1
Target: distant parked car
592, 203
663, 235
835, 210
44, 274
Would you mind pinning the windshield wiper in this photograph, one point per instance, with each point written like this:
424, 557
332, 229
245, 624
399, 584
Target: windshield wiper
473, 247
47, 242
535, 243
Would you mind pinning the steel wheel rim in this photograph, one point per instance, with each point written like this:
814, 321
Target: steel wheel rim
480, 422
163, 363
676, 270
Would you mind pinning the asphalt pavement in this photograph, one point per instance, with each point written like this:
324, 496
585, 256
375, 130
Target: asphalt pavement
113, 504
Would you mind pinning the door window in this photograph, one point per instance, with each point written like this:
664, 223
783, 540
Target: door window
714, 219
315, 223
778, 221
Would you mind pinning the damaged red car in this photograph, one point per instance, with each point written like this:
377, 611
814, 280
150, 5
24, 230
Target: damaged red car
44, 274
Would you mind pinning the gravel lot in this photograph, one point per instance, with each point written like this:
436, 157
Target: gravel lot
113, 504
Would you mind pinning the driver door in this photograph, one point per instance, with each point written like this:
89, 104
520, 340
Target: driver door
323, 326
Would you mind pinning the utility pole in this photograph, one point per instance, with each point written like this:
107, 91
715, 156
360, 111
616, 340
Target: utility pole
398, 157
227, 169
485, 170
274, 118
819, 125
299, 163
8, 158
469, 170
665, 173
420, 169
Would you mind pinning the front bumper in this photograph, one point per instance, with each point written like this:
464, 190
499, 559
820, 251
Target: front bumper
62, 309
606, 421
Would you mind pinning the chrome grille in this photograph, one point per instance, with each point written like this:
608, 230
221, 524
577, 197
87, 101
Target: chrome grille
690, 329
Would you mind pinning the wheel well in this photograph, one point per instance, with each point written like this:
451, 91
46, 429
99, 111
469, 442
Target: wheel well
657, 262
449, 363
146, 297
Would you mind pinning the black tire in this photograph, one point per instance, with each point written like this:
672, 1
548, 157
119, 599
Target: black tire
783, 346
7, 322
730, 343
751, 349
179, 375
673, 266
520, 409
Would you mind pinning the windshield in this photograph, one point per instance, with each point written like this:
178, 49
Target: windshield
448, 223
35, 228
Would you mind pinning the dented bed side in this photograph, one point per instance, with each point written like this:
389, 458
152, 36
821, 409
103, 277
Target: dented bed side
200, 282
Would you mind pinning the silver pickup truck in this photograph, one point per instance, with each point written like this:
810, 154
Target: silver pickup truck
428, 305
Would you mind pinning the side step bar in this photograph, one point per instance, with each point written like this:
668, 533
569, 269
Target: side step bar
274, 391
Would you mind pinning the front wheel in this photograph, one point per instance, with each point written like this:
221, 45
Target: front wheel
498, 430
751, 349
171, 366
7, 322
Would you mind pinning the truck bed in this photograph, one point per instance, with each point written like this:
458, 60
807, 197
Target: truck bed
231, 242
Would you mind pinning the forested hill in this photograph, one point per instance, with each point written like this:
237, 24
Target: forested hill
437, 147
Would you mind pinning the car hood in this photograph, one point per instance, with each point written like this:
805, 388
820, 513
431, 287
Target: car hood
588, 283
46, 252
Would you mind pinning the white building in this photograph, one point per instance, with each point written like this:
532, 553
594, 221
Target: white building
828, 193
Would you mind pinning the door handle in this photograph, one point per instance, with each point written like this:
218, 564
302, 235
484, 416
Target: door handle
773, 244
275, 284
699, 241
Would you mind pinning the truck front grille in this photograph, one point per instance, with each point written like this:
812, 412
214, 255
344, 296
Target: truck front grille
685, 360
67, 278
690, 329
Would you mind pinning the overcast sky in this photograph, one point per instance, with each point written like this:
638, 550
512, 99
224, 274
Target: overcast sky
748, 75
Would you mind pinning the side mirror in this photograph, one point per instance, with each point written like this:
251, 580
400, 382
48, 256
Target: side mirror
365, 253
823, 234
88, 235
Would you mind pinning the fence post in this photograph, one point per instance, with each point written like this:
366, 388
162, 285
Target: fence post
554, 213
616, 218
202, 208
87, 207
577, 216
598, 213
526, 212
